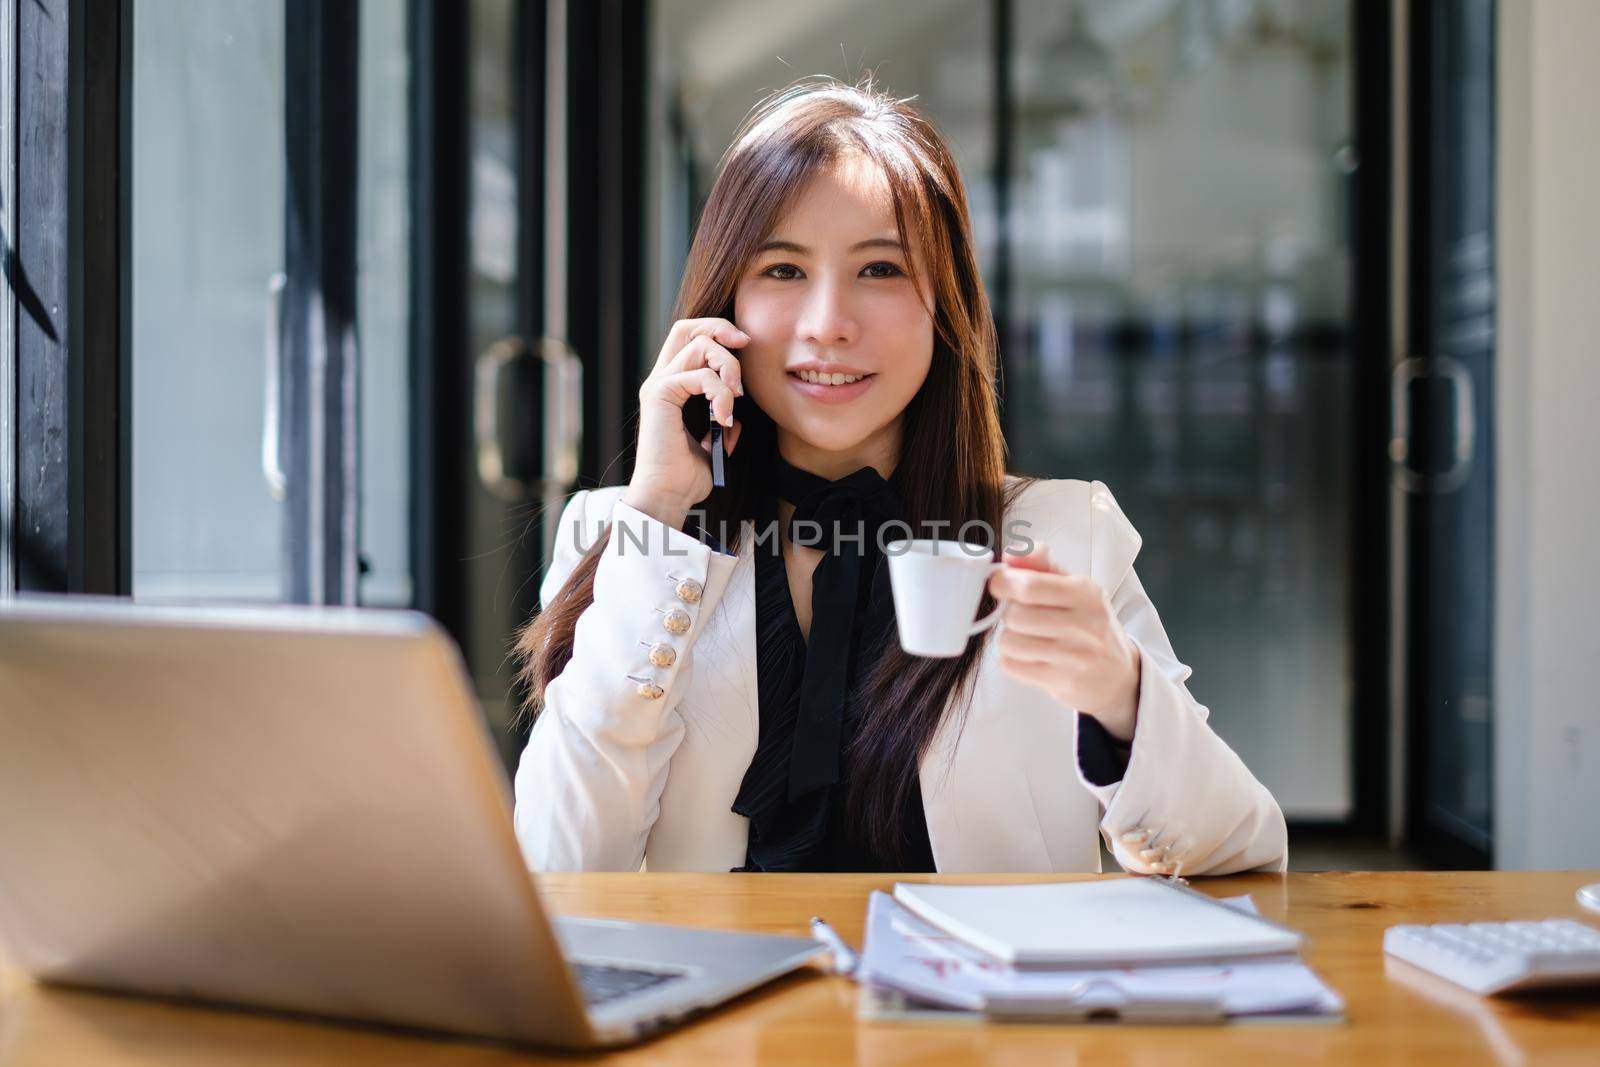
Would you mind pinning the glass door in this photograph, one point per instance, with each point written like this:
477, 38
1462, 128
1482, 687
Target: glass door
208, 192
523, 400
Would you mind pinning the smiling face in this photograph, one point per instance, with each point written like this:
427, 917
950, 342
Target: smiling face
829, 293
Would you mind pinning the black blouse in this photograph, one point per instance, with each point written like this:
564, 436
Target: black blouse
781, 651
780, 664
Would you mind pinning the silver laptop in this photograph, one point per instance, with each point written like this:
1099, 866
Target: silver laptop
300, 808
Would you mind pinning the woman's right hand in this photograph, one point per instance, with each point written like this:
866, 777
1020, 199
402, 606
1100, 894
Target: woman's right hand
671, 470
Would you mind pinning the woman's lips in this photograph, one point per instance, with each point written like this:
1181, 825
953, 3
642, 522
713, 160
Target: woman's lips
831, 394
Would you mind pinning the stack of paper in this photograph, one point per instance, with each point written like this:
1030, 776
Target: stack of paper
912, 968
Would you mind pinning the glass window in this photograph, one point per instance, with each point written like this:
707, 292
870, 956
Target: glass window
207, 240
1181, 250
207, 260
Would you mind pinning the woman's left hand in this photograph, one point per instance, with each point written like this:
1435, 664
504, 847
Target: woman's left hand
1060, 633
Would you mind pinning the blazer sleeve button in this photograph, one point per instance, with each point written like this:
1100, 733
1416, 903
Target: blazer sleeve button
662, 654
688, 591
676, 621
650, 690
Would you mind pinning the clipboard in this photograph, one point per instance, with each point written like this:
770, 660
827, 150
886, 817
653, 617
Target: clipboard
912, 970
884, 1004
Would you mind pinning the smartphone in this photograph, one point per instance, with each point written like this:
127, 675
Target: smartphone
697, 419
719, 456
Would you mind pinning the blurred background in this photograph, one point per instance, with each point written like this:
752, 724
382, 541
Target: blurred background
329, 301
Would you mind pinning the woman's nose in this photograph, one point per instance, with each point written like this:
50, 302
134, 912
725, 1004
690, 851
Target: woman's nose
827, 318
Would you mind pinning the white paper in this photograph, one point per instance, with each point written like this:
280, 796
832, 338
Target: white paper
905, 953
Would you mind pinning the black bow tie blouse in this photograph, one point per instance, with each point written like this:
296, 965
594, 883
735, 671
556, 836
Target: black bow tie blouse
809, 697
810, 708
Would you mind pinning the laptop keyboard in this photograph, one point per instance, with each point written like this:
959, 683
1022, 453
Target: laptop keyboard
602, 983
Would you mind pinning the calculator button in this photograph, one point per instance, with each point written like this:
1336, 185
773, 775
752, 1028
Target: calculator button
1586, 935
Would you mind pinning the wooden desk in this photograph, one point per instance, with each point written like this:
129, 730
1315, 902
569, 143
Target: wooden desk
1394, 1013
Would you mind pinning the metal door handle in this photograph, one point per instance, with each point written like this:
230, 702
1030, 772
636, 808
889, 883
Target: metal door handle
1466, 424
486, 422
271, 451
562, 417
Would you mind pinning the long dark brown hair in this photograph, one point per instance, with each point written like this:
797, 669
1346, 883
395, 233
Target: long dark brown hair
952, 464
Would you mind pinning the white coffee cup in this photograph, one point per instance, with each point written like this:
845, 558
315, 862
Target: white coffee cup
937, 586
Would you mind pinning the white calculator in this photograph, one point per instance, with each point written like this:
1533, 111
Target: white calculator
1500, 957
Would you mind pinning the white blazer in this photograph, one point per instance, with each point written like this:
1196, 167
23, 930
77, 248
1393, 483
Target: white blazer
613, 776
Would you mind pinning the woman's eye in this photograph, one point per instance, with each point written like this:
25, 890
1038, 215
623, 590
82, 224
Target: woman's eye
870, 269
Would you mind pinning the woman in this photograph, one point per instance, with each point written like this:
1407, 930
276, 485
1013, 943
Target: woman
748, 707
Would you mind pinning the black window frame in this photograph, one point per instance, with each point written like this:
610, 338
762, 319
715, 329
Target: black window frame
320, 364
67, 270
1439, 38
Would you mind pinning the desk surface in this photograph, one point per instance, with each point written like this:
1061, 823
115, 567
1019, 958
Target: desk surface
1394, 1013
